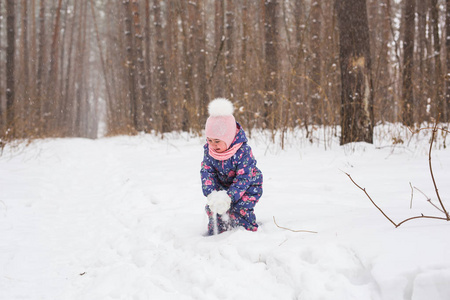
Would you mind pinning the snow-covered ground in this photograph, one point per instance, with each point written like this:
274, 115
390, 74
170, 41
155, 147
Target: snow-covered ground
123, 218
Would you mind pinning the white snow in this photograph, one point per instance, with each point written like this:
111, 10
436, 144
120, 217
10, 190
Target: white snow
123, 218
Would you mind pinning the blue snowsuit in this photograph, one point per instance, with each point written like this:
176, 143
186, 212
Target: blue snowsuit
242, 180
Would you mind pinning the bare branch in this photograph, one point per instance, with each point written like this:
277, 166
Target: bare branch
373, 202
412, 195
432, 175
308, 231
429, 200
421, 217
396, 225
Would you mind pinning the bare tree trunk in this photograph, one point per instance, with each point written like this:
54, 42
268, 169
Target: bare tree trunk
271, 60
316, 60
423, 78
299, 86
80, 107
40, 79
2, 117
229, 42
131, 64
446, 117
187, 72
27, 103
161, 70
147, 105
68, 104
356, 79
219, 39
10, 67
408, 62
54, 101
201, 61
243, 76
437, 86
141, 88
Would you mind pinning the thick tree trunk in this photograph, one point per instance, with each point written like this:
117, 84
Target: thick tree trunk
356, 78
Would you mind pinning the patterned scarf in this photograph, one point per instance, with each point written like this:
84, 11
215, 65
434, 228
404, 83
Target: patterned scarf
226, 154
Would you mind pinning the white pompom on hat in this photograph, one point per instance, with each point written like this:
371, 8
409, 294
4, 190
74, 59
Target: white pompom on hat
221, 123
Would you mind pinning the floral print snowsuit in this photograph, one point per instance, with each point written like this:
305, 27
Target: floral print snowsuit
242, 180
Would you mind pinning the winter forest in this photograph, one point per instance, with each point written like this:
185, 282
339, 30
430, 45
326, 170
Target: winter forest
344, 113
152, 66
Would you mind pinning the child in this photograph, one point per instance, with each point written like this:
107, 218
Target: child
230, 179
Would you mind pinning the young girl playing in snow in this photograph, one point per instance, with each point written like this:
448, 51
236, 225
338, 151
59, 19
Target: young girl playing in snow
230, 179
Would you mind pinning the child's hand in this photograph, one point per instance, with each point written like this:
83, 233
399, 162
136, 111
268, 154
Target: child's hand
219, 202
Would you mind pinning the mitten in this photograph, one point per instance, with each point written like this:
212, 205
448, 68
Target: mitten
219, 202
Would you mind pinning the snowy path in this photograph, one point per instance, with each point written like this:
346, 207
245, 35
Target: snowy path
122, 218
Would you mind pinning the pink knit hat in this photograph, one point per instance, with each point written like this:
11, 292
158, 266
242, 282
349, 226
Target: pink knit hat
221, 123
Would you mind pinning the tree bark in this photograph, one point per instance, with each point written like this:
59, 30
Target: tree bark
10, 67
2, 117
161, 70
423, 65
219, 36
356, 78
271, 60
131, 65
437, 86
446, 116
141, 89
408, 62
27, 102
317, 100
229, 44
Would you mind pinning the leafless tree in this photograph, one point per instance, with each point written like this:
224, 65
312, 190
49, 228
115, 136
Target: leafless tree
408, 62
357, 91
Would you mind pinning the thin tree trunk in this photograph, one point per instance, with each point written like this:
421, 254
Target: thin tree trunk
141, 88
437, 86
229, 43
147, 105
219, 39
316, 60
446, 117
26, 69
423, 80
10, 67
187, 73
131, 64
161, 70
2, 116
201, 61
408, 62
54, 100
40, 80
271, 61
68, 104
